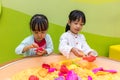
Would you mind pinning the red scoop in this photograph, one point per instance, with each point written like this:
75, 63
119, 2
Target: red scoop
89, 58
32, 77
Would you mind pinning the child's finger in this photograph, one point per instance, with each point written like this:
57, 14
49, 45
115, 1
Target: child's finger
39, 53
81, 53
35, 45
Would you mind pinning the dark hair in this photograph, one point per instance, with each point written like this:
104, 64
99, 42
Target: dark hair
39, 22
75, 15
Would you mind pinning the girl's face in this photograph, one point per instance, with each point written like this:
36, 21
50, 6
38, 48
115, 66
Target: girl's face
76, 26
39, 35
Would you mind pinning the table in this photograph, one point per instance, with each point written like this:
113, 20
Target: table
10, 69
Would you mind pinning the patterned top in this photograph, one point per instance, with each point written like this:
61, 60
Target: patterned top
29, 40
68, 40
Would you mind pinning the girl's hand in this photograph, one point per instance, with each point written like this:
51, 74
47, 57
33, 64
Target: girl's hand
34, 45
41, 51
77, 52
81, 53
92, 53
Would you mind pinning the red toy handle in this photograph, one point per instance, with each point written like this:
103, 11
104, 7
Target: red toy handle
39, 49
89, 58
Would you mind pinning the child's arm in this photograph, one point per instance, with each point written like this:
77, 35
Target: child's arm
25, 43
77, 52
26, 48
64, 47
49, 47
86, 48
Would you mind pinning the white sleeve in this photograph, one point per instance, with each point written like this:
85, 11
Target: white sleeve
86, 48
19, 48
64, 47
27, 41
49, 42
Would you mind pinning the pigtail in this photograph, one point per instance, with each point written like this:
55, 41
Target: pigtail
67, 28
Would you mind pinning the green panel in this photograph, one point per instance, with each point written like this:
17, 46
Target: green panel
0, 7
102, 16
14, 27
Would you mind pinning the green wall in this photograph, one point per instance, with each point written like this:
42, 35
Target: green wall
101, 30
102, 16
0, 7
